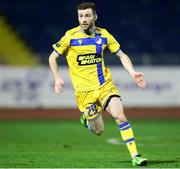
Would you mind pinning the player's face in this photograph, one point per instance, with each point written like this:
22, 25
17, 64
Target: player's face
86, 18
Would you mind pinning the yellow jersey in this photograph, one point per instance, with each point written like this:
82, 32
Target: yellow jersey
85, 57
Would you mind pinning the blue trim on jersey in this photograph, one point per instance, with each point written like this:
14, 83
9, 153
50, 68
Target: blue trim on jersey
129, 140
100, 73
99, 65
87, 41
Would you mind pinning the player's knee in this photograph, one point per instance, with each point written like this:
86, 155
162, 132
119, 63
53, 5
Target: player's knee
98, 131
121, 118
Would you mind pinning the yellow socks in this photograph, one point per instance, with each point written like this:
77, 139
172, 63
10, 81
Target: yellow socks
128, 137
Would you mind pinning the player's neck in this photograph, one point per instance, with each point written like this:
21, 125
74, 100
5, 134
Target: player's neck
89, 31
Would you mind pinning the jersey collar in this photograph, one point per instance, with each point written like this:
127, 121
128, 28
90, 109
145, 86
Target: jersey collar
95, 31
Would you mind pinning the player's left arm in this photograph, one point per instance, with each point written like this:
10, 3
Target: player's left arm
138, 77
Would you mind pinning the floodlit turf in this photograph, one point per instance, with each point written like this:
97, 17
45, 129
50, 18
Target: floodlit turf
66, 144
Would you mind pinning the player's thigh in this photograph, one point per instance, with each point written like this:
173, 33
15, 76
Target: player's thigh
115, 108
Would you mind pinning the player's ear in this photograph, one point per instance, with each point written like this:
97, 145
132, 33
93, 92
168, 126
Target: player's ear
96, 17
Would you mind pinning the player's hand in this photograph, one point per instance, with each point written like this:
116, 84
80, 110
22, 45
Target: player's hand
138, 77
58, 86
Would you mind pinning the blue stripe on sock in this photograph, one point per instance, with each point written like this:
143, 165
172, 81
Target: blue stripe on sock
123, 125
125, 128
129, 140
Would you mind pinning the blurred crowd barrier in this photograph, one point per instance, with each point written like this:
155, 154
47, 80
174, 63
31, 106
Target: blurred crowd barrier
33, 87
13, 49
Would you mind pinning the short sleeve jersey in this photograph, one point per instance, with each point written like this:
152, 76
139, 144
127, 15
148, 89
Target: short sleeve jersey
85, 57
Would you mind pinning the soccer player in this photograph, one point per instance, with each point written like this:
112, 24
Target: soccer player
94, 89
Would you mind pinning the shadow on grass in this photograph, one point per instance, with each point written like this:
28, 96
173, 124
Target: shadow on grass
163, 161
119, 162
153, 162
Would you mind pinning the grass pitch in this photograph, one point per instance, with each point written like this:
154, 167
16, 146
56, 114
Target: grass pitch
66, 144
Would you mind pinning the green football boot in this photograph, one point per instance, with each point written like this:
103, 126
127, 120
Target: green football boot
83, 121
138, 161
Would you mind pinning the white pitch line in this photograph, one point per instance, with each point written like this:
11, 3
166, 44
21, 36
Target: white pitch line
114, 141
118, 141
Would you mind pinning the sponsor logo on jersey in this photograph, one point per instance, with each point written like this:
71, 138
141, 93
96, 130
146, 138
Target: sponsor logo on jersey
89, 59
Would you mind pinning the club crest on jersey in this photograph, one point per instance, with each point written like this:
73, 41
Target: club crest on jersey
99, 41
89, 59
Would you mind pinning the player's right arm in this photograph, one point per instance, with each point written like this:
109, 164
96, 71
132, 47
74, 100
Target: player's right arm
54, 68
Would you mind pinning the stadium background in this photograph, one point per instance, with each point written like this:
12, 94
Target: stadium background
148, 31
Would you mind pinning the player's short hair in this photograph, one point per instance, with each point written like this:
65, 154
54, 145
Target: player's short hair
86, 5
